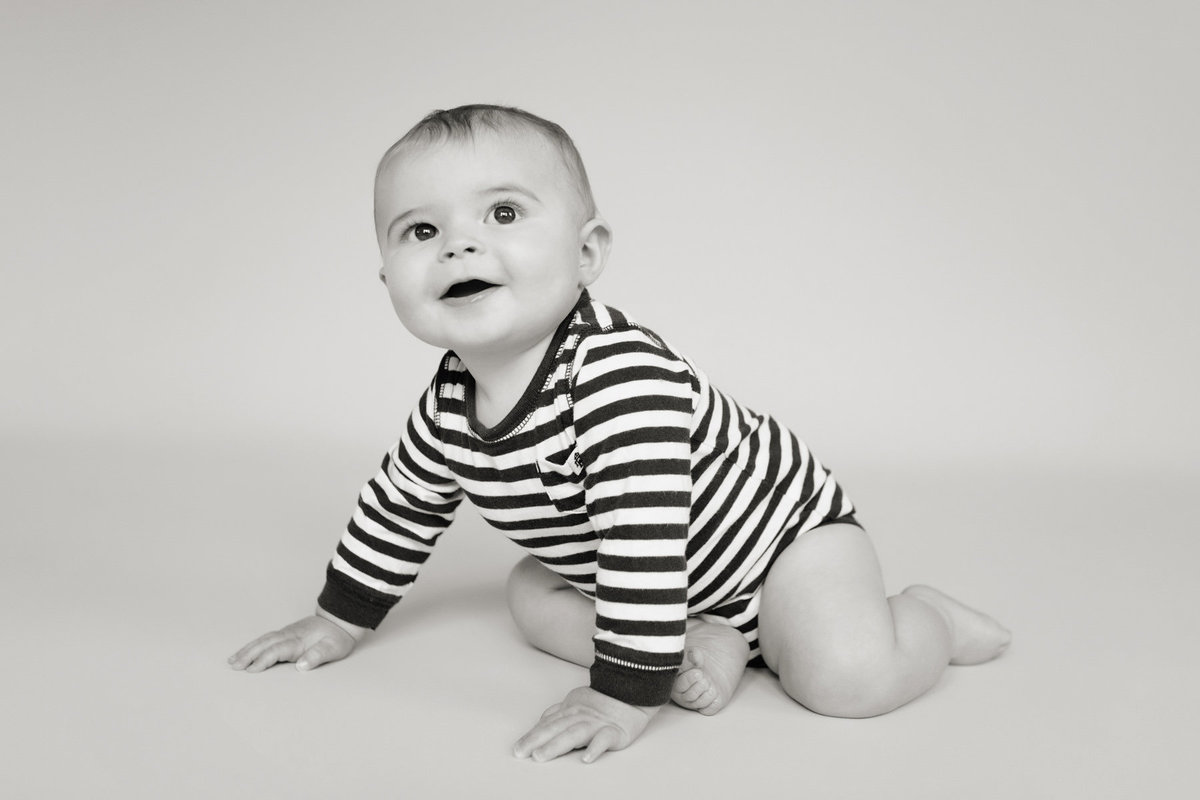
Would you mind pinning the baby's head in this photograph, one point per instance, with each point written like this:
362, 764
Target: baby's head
464, 123
487, 229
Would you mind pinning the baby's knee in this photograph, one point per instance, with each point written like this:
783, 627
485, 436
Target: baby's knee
846, 688
519, 580
527, 586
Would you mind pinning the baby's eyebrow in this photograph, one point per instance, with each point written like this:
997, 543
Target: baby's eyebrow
511, 188
406, 215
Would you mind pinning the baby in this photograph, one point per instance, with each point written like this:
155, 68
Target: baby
673, 536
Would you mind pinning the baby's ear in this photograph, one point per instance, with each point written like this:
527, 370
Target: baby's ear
595, 240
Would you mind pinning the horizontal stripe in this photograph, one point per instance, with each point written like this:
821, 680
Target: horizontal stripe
623, 626
643, 580
639, 563
368, 568
611, 594
649, 650
642, 504
658, 611
654, 549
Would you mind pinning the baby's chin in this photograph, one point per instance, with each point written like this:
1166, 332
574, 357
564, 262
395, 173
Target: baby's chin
461, 341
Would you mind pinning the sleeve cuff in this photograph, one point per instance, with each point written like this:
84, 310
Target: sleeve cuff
352, 602
637, 687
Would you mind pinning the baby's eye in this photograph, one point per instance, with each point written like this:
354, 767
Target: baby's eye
504, 214
423, 231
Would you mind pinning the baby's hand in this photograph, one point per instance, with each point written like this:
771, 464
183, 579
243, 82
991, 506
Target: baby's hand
586, 718
309, 642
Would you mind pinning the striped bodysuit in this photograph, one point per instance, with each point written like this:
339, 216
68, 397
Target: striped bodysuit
622, 470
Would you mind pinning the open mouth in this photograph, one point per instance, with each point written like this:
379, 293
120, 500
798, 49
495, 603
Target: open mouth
467, 288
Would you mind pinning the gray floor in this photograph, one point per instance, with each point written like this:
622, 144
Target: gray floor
133, 569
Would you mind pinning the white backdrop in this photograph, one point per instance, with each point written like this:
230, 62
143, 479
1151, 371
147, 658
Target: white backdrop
918, 231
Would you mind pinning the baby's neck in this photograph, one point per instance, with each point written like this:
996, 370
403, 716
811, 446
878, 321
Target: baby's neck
500, 382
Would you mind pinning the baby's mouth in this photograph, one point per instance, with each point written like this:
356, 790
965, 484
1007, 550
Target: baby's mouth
467, 288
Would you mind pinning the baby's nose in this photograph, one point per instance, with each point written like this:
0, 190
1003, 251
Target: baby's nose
459, 251
460, 247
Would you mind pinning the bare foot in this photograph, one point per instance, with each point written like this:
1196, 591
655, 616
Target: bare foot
975, 636
714, 658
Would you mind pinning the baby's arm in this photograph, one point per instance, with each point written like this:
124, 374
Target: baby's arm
310, 642
401, 513
632, 414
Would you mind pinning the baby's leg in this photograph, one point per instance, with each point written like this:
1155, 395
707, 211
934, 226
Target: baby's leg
554, 617
841, 647
550, 613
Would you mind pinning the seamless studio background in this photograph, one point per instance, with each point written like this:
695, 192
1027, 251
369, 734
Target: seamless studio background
951, 244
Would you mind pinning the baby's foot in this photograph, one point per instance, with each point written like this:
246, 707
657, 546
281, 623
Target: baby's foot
714, 658
975, 636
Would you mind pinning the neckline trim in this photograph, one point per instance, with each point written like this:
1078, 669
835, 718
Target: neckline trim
528, 402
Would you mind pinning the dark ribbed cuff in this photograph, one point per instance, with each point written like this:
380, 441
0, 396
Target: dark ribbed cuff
353, 602
634, 686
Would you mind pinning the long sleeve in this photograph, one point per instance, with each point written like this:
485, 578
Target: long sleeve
400, 515
632, 410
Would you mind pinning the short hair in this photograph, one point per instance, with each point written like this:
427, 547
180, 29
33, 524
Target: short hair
461, 123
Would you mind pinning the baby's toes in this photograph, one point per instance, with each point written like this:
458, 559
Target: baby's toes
698, 694
686, 680
706, 702
709, 704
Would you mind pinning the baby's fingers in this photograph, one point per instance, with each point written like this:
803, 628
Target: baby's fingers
607, 738
288, 648
322, 651
573, 737
242, 658
544, 731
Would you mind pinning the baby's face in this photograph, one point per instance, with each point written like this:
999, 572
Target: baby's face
481, 242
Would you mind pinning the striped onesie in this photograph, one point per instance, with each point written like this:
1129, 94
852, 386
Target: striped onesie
622, 470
